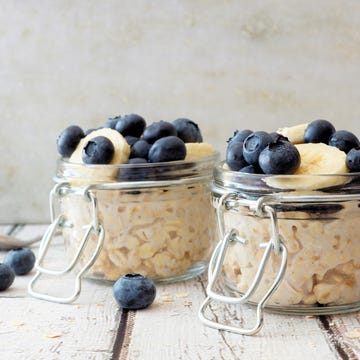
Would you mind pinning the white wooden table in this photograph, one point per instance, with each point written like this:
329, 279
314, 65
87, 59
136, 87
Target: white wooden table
95, 328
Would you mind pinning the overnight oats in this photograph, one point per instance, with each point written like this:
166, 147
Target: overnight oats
159, 226
147, 187
298, 191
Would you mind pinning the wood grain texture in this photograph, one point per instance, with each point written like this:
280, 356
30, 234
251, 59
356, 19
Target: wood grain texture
174, 331
94, 328
35, 329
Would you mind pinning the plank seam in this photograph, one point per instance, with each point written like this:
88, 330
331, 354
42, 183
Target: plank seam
123, 335
332, 333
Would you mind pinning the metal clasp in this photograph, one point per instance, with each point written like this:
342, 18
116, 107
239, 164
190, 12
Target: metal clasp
275, 244
57, 223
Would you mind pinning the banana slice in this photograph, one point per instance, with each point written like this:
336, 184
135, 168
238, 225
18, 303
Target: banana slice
198, 150
121, 156
320, 163
294, 133
122, 148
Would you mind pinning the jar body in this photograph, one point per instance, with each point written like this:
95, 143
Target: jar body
164, 229
321, 233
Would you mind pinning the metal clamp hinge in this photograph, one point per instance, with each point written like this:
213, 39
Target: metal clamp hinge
275, 244
57, 223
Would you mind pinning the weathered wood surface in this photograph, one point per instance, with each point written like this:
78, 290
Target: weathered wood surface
94, 328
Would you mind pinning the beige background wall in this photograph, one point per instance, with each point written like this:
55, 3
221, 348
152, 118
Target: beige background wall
227, 64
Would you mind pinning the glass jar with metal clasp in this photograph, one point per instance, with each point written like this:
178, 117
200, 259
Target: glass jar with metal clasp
288, 243
153, 219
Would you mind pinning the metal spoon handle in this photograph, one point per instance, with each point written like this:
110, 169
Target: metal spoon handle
8, 242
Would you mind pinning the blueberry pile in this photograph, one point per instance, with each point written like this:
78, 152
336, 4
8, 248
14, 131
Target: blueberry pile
323, 131
134, 292
18, 261
158, 142
259, 152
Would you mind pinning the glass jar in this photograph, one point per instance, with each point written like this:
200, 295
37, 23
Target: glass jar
289, 243
153, 219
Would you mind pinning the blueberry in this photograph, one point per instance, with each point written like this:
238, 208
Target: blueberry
276, 136
240, 136
98, 150
111, 123
187, 130
280, 157
137, 160
344, 140
234, 156
140, 149
131, 124
133, 173
353, 160
134, 291
254, 144
21, 260
69, 139
318, 131
169, 148
7, 276
157, 130
251, 169
131, 140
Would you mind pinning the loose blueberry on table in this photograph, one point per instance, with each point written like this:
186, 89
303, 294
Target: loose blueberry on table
21, 260
134, 291
7, 276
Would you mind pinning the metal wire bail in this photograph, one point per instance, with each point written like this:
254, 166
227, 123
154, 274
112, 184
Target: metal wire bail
275, 244
57, 223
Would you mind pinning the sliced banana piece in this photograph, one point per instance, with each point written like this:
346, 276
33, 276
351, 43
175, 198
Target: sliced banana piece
320, 163
321, 159
226, 167
121, 156
198, 150
295, 134
122, 148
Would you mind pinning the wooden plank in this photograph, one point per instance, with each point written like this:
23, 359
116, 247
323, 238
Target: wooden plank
343, 334
35, 329
5, 229
170, 329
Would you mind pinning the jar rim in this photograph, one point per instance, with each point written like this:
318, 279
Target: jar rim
228, 178
171, 170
